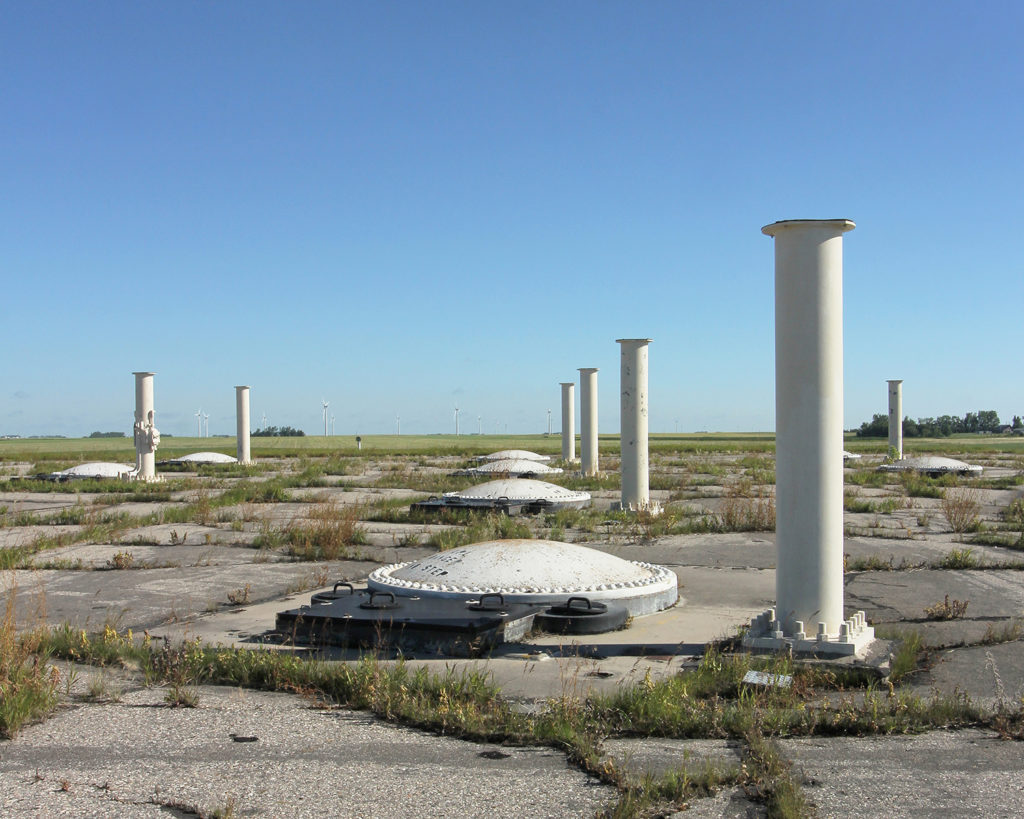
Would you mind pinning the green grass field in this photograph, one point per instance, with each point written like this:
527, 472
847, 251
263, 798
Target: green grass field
121, 449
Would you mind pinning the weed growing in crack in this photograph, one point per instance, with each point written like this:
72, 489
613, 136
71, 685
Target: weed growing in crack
328, 534
959, 559
121, 560
947, 610
1005, 633
28, 684
961, 508
745, 510
239, 597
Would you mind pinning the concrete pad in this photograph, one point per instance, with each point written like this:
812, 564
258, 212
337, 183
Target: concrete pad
944, 773
273, 755
24, 535
97, 555
146, 598
142, 508
891, 597
990, 675
657, 755
194, 534
754, 550
347, 495
732, 803
913, 551
43, 502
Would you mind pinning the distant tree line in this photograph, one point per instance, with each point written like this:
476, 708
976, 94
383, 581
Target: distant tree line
941, 427
278, 432
107, 435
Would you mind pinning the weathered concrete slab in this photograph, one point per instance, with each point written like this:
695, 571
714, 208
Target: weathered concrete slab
42, 502
943, 773
15, 537
657, 756
753, 550
732, 803
182, 555
272, 755
923, 550
903, 596
141, 599
989, 675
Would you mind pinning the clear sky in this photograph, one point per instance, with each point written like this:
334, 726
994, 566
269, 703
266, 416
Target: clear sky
403, 207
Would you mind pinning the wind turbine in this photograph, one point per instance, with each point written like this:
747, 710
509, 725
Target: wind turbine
326, 405
206, 418
199, 423
332, 425
549, 422
398, 422
264, 420
456, 420
479, 426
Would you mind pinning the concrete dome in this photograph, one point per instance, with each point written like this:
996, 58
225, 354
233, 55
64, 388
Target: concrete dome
931, 465
512, 466
98, 469
521, 454
520, 489
532, 571
205, 458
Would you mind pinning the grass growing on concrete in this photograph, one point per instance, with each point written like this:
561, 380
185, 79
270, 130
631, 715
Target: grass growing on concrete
946, 610
960, 507
104, 526
876, 563
746, 509
329, 533
707, 701
959, 559
665, 794
489, 526
770, 776
909, 652
921, 486
28, 684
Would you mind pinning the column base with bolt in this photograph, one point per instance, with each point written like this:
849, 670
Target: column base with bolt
765, 634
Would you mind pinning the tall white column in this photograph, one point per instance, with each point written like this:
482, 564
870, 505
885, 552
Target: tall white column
896, 416
588, 420
809, 423
636, 493
568, 420
242, 424
147, 437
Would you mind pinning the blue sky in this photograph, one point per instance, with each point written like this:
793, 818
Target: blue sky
401, 207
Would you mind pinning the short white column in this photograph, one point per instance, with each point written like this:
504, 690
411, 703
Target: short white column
568, 420
242, 424
896, 416
809, 421
636, 494
147, 437
588, 421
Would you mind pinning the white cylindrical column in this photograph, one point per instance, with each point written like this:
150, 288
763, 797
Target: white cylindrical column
809, 421
588, 421
896, 416
636, 493
242, 424
147, 437
568, 420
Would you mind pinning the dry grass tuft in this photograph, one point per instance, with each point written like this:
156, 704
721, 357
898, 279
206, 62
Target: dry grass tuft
962, 506
28, 684
745, 509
